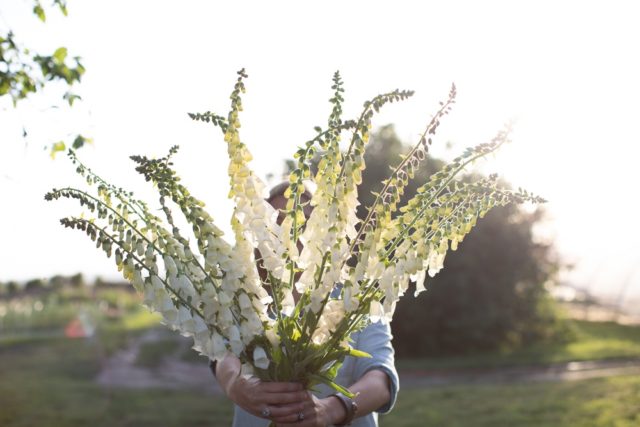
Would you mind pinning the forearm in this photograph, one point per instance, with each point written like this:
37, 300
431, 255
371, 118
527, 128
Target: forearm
226, 372
372, 392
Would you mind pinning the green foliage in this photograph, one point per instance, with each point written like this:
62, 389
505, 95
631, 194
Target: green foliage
34, 285
24, 73
590, 341
12, 288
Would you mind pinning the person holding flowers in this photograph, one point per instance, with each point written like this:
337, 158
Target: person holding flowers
314, 314
374, 381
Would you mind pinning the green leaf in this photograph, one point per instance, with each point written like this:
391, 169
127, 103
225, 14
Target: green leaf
60, 54
358, 353
71, 97
80, 141
56, 148
337, 387
333, 371
39, 11
62, 4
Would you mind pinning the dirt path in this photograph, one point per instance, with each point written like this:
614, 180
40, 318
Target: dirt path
121, 371
572, 371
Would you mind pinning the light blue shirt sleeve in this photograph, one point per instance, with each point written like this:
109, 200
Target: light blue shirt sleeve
375, 339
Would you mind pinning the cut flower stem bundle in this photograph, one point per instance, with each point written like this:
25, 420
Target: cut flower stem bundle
346, 273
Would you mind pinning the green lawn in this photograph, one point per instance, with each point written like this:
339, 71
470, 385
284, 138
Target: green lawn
604, 402
47, 381
48, 384
594, 340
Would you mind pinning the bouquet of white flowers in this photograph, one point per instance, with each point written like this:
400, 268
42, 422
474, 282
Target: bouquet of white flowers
292, 323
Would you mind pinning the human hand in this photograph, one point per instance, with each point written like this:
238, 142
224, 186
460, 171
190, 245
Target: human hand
316, 413
276, 401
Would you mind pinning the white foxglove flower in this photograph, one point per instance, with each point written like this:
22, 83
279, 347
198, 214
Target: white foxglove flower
167, 308
215, 347
436, 262
151, 292
170, 265
186, 322
389, 308
287, 303
235, 341
137, 281
350, 301
260, 359
225, 317
244, 302
246, 370
225, 298
272, 336
419, 281
376, 312
200, 330
219, 346
320, 336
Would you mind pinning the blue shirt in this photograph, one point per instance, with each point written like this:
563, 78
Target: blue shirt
375, 339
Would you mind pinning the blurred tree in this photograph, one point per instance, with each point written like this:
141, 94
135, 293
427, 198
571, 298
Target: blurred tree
24, 72
77, 280
12, 288
56, 282
491, 293
34, 285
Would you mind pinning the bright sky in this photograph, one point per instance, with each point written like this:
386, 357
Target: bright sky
567, 71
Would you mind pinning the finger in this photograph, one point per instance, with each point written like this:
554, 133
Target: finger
288, 411
307, 416
274, 387
284, 398
304, 423
289, 419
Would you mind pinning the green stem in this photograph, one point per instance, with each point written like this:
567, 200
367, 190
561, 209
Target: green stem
139, 233
429, 129
180, 299
353, 138
426, 205
130, 203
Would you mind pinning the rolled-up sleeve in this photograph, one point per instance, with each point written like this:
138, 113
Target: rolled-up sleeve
375, 339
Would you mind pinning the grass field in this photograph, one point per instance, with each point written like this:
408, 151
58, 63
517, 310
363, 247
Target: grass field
608, 402
48, 381
49, 384
594, 341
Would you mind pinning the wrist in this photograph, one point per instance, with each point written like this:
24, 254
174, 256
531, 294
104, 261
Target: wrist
231, 385
350, 408
336, 410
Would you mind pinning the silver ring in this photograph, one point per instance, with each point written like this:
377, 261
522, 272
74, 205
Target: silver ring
266, 412
300, 416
